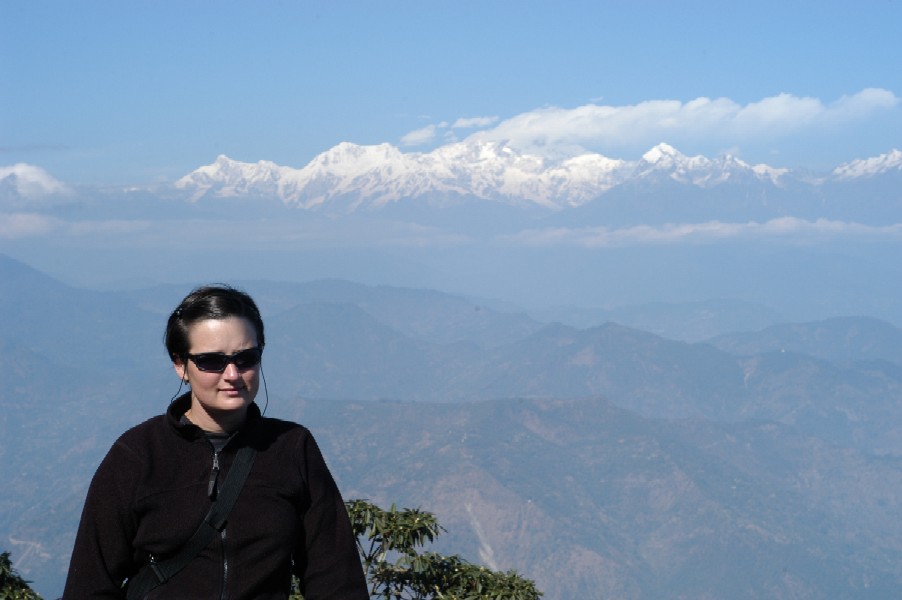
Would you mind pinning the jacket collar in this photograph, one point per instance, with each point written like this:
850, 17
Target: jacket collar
179, 406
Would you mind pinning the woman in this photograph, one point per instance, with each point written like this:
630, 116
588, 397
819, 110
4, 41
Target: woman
160, 479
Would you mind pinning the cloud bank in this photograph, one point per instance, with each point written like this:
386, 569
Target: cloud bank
20, 225
278, 234
786, 228
600, 128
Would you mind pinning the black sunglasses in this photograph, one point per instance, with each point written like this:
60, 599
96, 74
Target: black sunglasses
216, 362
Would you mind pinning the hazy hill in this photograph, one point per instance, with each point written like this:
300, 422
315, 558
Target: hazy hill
687, 321
71, 325
605, 462
843, 339
422, 314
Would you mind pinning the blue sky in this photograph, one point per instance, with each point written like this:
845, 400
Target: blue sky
139, 92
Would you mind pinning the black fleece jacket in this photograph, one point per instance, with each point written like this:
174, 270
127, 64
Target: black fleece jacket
151, 492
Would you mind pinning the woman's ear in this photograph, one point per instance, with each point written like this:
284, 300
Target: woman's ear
181, 369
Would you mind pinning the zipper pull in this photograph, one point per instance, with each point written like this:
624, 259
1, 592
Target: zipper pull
214, 475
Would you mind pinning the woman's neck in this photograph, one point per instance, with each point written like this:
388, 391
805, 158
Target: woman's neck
225, 422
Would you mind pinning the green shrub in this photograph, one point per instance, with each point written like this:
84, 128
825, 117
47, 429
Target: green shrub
390, 543
13, 587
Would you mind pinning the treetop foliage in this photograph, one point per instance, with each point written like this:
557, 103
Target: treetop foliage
12, 586
390, 543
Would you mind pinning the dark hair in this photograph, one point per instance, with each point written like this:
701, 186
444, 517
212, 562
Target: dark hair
209, 302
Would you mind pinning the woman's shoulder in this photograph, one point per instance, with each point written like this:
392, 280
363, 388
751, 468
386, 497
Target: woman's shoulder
141, 434
131, 447
281, 427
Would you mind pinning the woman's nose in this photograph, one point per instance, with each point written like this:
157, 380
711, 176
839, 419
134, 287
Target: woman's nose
231, 371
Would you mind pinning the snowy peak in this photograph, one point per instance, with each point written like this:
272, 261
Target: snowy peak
870, 167
665, 162
339, 158
664, 155
232, 178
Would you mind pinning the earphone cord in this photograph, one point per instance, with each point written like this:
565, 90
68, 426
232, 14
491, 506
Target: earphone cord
178, 391
265, 391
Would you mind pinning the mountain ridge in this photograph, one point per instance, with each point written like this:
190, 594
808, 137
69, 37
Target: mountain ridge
375, 176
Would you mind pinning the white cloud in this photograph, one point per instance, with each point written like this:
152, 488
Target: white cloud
715, 122
862, 104
428, 134
720, 120
31, 181
785, 227
470, 122
418, 137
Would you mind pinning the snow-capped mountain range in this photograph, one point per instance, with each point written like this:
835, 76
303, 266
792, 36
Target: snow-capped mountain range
349, 177
374, 176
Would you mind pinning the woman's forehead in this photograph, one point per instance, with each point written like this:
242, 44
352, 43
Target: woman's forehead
217, 335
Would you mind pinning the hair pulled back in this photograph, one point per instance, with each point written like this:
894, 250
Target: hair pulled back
208, 302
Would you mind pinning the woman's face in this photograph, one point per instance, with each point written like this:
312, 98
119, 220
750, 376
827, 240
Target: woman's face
220, 399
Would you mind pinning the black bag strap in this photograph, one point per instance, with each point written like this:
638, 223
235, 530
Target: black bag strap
155, 574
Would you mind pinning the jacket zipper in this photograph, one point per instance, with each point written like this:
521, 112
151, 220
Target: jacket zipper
212, 489
213, 492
